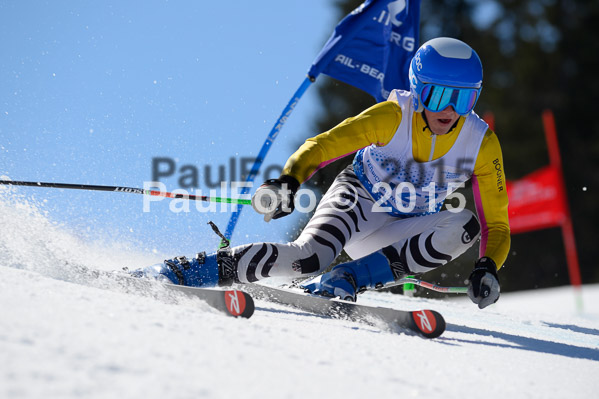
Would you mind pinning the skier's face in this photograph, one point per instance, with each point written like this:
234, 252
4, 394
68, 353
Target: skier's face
440, 122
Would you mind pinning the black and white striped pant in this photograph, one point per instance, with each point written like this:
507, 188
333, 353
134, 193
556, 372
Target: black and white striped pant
345, 219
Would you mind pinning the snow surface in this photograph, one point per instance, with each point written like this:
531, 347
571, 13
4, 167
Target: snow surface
63, 336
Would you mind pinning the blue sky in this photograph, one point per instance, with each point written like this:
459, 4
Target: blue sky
91, 92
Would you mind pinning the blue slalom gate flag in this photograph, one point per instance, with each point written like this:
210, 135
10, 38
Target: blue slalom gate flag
371, 48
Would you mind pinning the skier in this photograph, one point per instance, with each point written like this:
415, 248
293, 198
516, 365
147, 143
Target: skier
412, 152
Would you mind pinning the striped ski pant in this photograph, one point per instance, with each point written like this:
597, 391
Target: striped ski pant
345, 219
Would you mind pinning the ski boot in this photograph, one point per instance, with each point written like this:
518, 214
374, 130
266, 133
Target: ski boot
203, 270
217, 269
349, 279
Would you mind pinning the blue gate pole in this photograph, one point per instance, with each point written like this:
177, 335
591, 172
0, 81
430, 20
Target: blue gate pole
274, 132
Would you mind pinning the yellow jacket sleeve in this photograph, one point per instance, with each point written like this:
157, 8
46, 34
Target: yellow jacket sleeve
375, 125
488, 185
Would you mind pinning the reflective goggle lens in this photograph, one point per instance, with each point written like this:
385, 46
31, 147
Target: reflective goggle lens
437, 98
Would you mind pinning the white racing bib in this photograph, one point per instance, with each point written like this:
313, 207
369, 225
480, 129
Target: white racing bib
404, 187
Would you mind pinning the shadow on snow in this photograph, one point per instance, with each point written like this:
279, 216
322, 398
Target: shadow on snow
527, 343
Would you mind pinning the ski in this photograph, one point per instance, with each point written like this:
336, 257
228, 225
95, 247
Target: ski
427, 323
231, 302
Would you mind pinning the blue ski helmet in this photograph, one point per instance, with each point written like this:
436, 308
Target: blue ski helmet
443, 72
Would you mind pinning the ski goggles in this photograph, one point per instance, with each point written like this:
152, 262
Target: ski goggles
436, 98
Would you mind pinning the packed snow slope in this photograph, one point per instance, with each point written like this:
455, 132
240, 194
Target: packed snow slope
63, 335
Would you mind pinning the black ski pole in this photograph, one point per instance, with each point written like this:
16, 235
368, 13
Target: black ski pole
130, 190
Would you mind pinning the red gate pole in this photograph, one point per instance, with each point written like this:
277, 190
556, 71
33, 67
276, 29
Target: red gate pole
567, 228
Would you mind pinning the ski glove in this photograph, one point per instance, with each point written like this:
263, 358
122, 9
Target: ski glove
483, 288
274, 198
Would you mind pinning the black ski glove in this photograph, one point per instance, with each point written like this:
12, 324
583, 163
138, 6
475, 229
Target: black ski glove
484, 283
275, 197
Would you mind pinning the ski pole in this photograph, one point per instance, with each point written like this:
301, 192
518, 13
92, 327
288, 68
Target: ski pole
430, 286
130, 190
